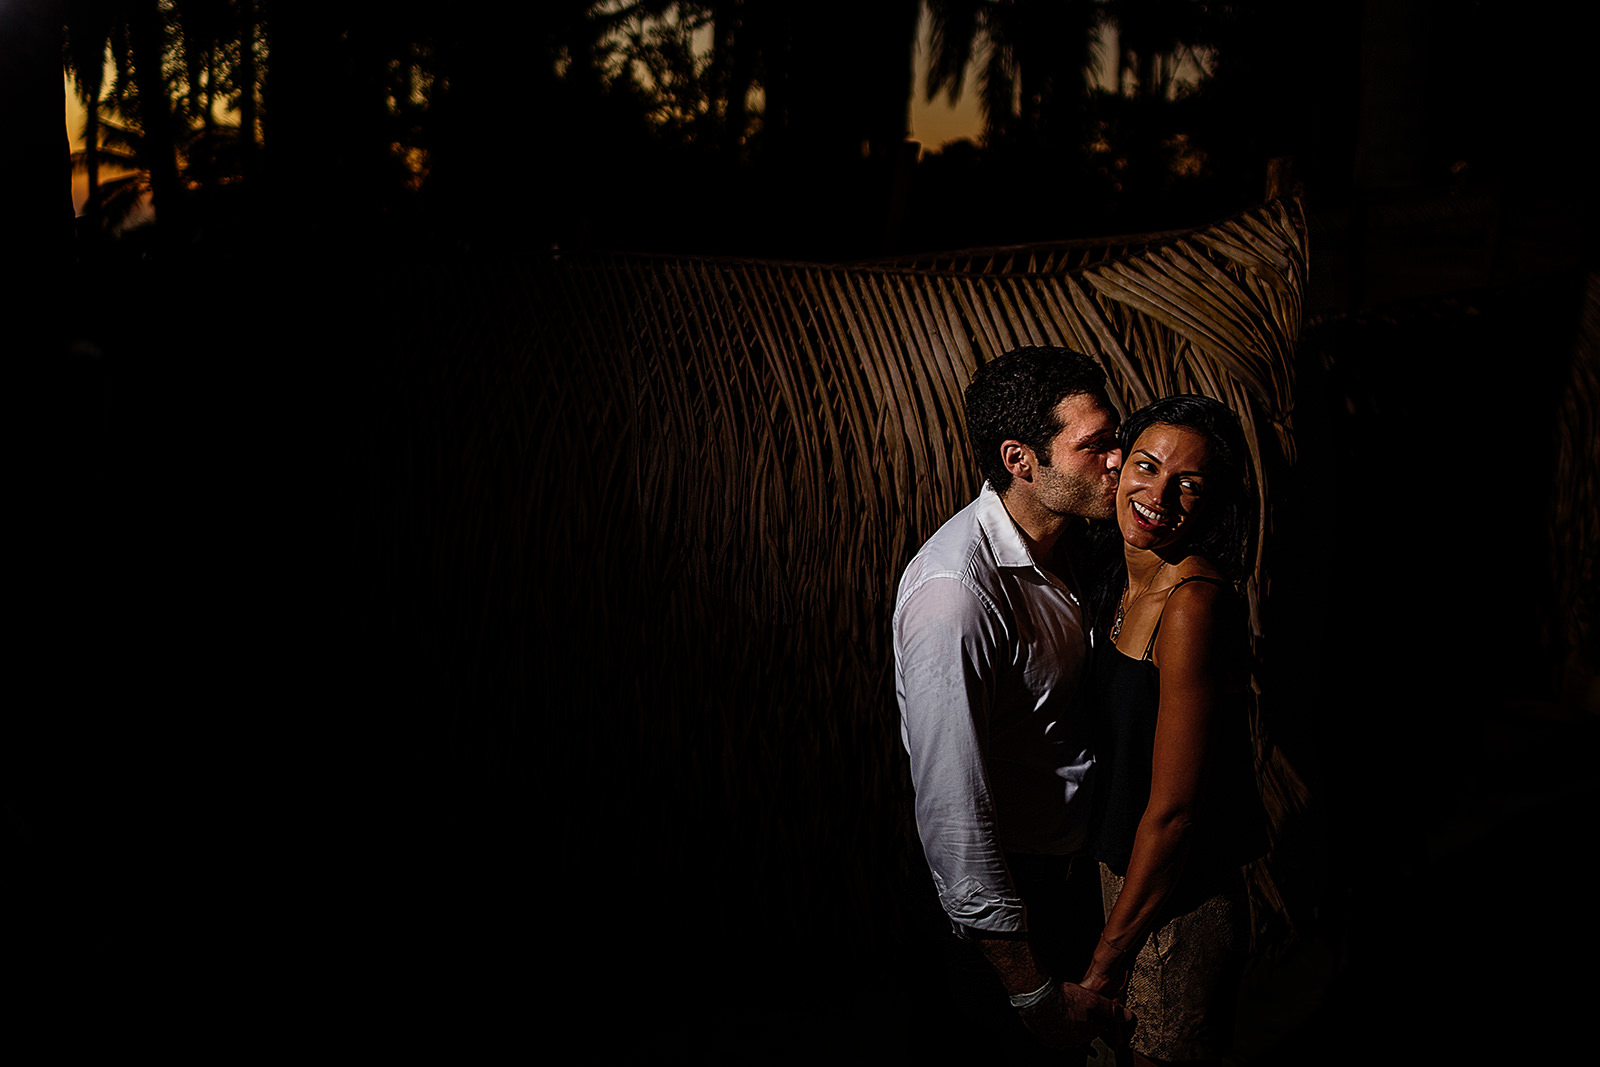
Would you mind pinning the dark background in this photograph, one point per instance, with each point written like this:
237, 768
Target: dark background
268, 776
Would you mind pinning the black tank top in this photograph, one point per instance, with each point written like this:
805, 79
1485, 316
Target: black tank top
1230, 823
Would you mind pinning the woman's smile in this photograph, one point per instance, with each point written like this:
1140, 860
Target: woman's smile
1147, 517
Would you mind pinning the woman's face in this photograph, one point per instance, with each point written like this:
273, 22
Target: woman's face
1162, 489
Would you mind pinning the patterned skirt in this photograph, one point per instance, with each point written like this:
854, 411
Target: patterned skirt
1183, 988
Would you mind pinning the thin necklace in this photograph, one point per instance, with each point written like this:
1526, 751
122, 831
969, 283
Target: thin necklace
1126, 602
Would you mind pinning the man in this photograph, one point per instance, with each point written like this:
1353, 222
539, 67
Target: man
990, 644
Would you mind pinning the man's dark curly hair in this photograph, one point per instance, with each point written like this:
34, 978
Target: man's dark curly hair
1014, 397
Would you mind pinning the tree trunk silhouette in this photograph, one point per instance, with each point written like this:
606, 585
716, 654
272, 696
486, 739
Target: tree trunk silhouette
733, 60
247, 79
1044, 49
88, 29
146, 31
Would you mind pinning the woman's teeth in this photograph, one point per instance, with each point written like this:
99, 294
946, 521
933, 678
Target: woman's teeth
1152, 517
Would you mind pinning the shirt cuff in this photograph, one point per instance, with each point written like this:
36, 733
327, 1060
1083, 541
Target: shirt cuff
982, 910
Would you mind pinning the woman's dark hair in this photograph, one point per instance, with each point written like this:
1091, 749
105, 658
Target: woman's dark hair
1228, 535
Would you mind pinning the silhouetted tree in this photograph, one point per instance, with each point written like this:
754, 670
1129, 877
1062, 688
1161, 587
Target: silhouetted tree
530, 139
735, 54
837, 75
246, 85
835, 79
328, 123
1036, 59
88, 35
116, 200
1154, 37
147, 37
1284, 82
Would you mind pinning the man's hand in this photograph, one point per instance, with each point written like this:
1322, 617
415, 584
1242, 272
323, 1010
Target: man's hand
1073, 1017
1070, 1017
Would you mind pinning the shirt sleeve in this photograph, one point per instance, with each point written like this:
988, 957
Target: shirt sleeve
947, 642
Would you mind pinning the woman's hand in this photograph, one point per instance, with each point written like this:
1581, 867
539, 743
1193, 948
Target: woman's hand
1108, 970
1075, 1016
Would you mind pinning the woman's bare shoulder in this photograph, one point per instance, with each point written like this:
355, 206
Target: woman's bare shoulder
1196, 567
1193, 607
1178, 584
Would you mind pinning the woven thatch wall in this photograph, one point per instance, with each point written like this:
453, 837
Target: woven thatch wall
838, 389
1575, 511
651, 512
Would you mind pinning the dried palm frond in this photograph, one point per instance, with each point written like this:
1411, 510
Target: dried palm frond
1036, 258
1575, 512
842, 385
670, 497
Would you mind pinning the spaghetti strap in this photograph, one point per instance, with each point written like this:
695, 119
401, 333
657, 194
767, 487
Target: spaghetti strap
1150, 647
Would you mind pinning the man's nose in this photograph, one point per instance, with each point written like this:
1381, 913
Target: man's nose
1114, 459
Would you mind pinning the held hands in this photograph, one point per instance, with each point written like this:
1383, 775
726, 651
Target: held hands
1072, 1016
1108, 971
1061, 1015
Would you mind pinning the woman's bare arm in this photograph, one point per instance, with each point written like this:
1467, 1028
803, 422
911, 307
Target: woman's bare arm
1185, 653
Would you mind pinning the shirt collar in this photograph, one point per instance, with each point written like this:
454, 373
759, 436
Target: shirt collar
1010, 550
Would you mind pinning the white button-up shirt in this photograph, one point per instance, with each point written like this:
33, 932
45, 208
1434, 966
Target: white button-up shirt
990, 655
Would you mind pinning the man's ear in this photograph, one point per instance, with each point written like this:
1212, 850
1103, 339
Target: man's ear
1018, 459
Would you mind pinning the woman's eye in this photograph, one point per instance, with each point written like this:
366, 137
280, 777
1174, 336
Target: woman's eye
1146, 466
1190, 486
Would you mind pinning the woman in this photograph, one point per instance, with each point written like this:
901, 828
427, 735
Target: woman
1179, 813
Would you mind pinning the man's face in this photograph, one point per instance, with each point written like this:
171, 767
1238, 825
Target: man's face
1078, 473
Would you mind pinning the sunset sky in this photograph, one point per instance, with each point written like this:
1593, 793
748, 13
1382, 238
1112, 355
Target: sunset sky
934, 124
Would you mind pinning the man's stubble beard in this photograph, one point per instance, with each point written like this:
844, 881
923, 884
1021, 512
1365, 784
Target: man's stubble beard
1085, 499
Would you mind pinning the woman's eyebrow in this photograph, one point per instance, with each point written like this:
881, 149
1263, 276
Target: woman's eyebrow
1189, 473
